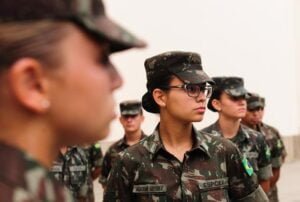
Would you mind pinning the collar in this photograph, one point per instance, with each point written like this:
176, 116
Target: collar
122, 141
154, 143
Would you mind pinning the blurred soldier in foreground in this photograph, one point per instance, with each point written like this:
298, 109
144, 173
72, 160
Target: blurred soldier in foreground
253, 119
131, 119
229, 100
56, 88
178, 163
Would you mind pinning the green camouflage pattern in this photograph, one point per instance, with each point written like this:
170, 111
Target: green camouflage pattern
130, 107
72, 170
87, 14
233, 86
110, 157
278, 152
23, 179
275, 142
252, 145
95, 159
211, 171
254, 101
185, 65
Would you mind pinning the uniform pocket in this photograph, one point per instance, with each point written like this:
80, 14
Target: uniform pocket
150, 192
214, 190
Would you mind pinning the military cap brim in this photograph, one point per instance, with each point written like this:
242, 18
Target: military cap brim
88, 14
104, 28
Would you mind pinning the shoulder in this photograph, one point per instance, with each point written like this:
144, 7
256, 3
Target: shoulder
208, 129
217, 144
115, 145
271, 128
252, 134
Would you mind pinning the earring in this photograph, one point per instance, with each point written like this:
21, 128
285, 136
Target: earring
45, 104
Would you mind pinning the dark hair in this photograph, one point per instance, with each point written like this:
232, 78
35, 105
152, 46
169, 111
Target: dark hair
215, 95
148, 102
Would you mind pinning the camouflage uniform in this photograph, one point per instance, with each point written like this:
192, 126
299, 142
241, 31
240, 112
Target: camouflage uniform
95, 158
278, 153
111, 156
24, 179
211, 171
252, 145
273, 138
129, 107
72, 170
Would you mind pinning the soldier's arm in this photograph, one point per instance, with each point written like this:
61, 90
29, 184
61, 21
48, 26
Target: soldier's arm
243, 186
97, 160
118, 183
264, 164
105, 169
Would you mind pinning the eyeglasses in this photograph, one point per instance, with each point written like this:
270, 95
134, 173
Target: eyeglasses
194, 90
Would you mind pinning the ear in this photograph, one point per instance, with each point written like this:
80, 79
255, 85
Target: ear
29, 85
159, 97
216, 104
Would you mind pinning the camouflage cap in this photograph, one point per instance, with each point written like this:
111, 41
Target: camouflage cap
233, 86
184, 65
130, 107
88, 14
254, 101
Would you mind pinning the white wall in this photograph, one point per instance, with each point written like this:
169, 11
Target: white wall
254, 39
297, 44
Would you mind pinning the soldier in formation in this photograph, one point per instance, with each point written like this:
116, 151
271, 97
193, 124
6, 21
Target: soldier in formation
253, 119
177, 162
131, 119
229, 100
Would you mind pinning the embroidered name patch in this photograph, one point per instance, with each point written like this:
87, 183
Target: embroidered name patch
149, 188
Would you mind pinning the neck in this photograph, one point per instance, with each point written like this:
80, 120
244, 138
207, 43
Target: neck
133, 137
229, 127
33, 139
176, 136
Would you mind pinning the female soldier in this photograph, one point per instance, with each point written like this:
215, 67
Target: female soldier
229, 100
177, 163
56, 85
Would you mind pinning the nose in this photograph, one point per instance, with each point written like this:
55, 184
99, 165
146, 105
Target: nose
201, 98
115, 78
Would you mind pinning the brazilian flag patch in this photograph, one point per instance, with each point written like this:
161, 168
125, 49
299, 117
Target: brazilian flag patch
248, 167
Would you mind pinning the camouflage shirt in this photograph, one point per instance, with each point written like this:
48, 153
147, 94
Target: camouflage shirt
274, 140
94, 157
110, 157
253, 145
72, 170
211, 171
22, 179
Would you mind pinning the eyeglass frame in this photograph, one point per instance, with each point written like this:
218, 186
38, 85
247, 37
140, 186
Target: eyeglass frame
184, 87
